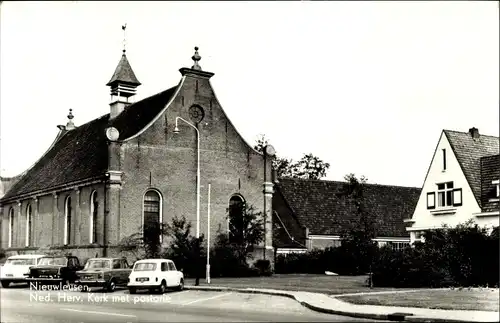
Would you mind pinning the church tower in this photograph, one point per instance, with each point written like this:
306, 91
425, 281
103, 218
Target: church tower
123, 84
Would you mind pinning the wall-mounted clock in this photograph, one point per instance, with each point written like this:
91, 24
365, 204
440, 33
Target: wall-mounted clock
112, 133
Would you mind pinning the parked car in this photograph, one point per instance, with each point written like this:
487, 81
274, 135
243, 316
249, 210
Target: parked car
106, 273
155, 275
16, 269
55, 270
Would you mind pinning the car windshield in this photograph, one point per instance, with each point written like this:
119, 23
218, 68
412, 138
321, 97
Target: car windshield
21, 262
57, 261
97, 264
145, 266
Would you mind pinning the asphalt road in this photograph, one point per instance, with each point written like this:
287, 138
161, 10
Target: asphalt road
25, 305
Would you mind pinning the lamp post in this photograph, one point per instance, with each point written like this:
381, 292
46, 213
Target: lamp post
176, 130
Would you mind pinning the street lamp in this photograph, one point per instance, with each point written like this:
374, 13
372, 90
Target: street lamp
176, 130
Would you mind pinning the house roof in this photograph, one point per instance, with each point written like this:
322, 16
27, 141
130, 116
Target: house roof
490, 171
124, 73
469, 151
318, 207
82, 153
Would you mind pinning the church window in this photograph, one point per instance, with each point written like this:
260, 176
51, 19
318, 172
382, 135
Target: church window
11, 227
67, 220
29, 220
152, 217
93, 217
236, 219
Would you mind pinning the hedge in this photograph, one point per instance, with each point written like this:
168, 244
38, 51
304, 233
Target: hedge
463, 256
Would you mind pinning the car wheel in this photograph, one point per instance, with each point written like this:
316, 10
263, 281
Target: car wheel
111, 286
163, 287
132, 290
181, 285
5, 284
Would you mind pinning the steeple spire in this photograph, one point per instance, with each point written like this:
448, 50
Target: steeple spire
123, 83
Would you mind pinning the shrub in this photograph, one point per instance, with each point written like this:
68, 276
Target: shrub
263, 267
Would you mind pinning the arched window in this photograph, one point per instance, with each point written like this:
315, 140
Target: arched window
28, 225
152, 217
11, 227
67, 220
93, 217
235, 218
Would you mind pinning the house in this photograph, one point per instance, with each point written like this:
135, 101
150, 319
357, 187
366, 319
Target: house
135, 167
461, 183
309, 214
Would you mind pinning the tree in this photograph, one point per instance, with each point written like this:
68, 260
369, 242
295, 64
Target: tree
185, 250
246, 229
145, 243
357, 241
308, 167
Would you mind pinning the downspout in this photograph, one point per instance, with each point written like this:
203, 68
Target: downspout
265, 204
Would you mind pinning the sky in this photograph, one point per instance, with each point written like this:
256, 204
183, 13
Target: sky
365, 86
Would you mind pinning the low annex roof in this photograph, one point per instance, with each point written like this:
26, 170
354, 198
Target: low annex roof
317, 205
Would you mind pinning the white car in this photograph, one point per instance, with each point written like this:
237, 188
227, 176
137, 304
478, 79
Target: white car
155, 275
17, 268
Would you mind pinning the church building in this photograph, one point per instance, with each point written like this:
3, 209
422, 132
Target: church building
142, 163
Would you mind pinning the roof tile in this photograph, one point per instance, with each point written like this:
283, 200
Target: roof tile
469, 152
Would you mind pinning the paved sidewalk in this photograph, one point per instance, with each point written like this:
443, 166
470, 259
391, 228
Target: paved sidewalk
327, 304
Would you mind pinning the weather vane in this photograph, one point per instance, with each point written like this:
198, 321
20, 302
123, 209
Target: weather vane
124, 27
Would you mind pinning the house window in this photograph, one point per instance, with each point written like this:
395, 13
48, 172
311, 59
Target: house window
444, 159
152, 217
28, 225
399, 245
67, 220
93, 217
431, 200
235, 218
11, 227
457, 197
497, 184
445, 194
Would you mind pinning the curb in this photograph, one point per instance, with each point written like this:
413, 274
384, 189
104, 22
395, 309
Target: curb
396, 316
305, 304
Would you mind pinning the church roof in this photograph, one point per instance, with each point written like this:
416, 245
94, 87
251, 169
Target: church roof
317, 205
82, 153
469, 151
124, 73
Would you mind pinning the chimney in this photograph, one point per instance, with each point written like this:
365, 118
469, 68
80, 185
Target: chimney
474, 132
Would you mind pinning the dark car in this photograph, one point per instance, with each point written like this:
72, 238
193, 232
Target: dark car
55, 270
105, 273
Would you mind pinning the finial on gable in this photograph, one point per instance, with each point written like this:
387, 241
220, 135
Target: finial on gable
70, 125
196, 58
